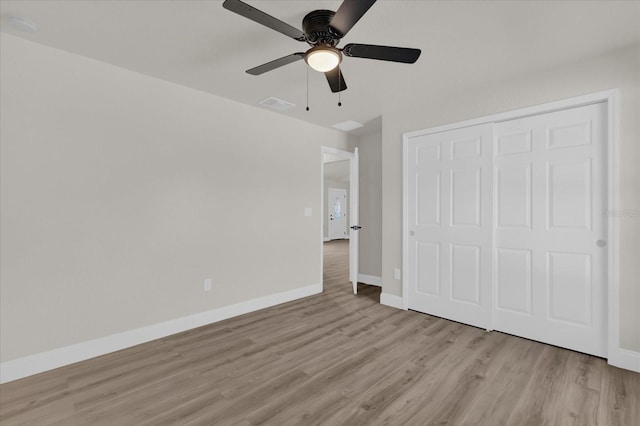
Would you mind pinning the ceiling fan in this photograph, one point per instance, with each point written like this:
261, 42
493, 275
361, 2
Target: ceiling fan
323, 30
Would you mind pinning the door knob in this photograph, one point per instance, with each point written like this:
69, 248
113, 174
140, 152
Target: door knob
411, 233
601, 243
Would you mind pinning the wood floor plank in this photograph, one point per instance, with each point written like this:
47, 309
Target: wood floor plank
542, 390
445, 369
455, 404
320, 409
330, 359
577, 404
619, 398
503, 392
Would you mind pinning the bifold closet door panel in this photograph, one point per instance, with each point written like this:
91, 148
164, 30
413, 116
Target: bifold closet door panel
449, 219
549, 257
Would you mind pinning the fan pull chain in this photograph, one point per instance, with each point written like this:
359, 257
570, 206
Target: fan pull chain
339, 88
307, 68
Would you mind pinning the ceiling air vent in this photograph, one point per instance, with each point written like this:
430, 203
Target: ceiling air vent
276, 103
348, 125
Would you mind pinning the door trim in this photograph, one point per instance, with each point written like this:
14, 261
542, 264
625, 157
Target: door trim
616, 355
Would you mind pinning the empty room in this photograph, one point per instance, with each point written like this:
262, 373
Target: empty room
312, 212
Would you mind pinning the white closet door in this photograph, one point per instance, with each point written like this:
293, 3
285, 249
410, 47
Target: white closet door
449, 178
549, 230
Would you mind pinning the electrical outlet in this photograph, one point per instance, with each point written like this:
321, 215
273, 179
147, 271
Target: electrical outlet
208, 283
397, 274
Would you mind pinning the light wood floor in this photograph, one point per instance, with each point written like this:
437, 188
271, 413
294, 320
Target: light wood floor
331, 359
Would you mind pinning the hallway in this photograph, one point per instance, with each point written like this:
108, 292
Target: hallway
336, 271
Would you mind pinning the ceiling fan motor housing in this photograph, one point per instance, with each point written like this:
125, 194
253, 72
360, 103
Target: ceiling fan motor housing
317, 29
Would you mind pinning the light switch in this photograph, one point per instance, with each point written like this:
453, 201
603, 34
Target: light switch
307, 211
208, 283
397, 274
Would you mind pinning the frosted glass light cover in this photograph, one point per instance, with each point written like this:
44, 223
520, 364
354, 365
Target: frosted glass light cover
323, 60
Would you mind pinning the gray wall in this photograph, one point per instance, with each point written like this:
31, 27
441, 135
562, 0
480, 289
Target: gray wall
121, 193
618, 69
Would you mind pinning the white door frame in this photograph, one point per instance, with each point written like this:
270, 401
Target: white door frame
616, 355
353, 210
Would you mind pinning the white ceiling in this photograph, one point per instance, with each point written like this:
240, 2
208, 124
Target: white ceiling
201, 45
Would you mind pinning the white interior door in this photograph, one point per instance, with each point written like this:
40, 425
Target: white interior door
337, 213
549, 228
449, 221
354, 238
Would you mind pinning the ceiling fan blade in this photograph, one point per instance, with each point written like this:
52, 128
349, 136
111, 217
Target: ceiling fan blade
277, 63
349, 12
336, 80
260, 17
383, 53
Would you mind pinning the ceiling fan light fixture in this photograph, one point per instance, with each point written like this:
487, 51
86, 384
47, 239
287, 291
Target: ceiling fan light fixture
323, 30
323, 58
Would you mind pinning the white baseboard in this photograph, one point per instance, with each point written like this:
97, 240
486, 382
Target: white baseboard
624, 358
44, 361
370, 279
391, 300
325, 239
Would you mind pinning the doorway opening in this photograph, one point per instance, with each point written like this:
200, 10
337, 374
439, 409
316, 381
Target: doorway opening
339, 253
